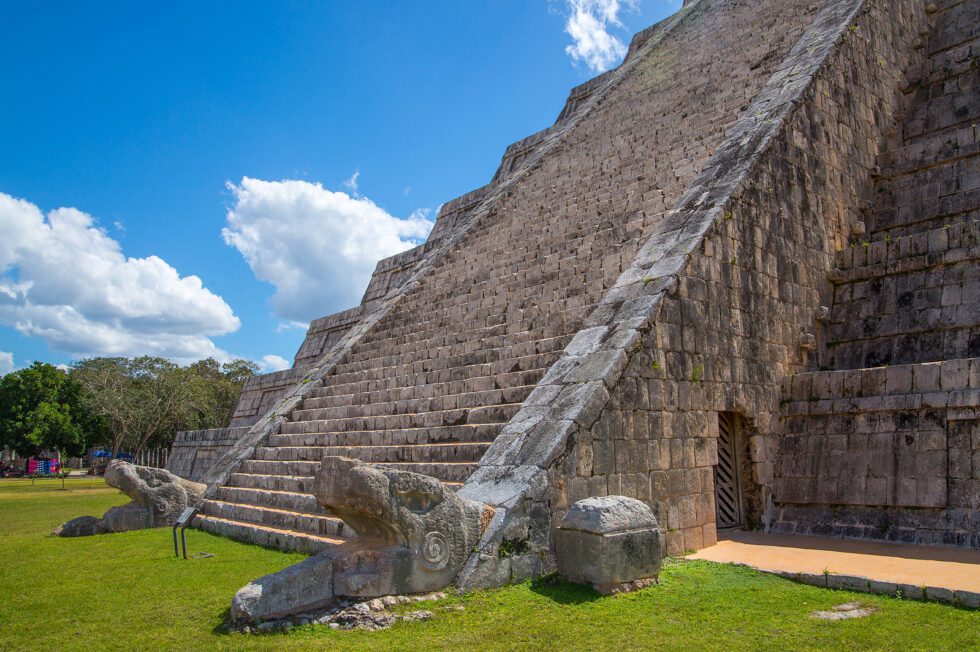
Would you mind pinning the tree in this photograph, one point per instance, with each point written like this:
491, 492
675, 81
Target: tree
217, 388
146, 400
140, 397
41, 408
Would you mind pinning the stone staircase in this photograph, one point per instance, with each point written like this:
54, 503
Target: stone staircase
426, 399
898, 393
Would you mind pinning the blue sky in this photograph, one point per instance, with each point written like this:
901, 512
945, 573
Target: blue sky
193, 179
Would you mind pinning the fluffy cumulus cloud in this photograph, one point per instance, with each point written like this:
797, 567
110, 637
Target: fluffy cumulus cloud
64, 280
6, 363
589, 22
317, 247
275, 363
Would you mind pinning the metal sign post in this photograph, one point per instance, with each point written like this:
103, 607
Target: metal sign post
183, 521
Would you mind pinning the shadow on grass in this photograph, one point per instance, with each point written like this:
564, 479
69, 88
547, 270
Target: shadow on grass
549, 586
224, 627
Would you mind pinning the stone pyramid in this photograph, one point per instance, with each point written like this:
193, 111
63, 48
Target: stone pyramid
685, 291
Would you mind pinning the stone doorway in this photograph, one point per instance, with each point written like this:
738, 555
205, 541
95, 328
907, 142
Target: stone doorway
729, 510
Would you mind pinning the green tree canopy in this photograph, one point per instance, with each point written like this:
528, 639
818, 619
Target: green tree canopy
41, 408
146, 400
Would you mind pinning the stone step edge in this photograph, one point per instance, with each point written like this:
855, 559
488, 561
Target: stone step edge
348, 401
401, 381
428, 332
959, 597
920, 80
960, 124
908, 263
200, 519
833, 344
289, 475
265, 508
467, 443
386, 371
299, 413
960, 399
364, 432
935, 384
912, 165
939, 220
310, 477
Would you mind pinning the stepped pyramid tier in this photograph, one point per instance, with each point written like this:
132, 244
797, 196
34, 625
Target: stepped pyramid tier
643, 298
884, 443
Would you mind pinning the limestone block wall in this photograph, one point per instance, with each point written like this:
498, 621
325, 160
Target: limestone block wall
715, 308
194, 451
908, 299
886, 453
259, 394
324, 333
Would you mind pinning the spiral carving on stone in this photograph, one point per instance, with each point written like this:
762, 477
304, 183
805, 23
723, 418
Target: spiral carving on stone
435, 551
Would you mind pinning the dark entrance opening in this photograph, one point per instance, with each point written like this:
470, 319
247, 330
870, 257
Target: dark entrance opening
729, 511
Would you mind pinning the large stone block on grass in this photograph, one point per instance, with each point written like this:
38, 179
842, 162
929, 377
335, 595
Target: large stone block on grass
610, 542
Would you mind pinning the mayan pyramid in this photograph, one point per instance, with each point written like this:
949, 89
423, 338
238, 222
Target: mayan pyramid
737, 279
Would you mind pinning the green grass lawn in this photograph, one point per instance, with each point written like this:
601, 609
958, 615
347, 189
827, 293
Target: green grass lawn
126, 591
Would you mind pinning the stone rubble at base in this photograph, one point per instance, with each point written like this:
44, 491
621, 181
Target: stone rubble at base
372, 615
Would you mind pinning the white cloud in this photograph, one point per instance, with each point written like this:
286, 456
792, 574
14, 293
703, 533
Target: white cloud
64, 280
588, 25
352, 182
275, 363
317, 247
6, 363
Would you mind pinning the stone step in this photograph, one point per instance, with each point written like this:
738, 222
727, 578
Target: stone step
548, 310
534, 355
303, 471
899, 436
949, 192
324, 397
285, 500
269, 537
942, 171
303, 421
956, 26
455, 338
275, 482
320, 525
954, 383
419, 375
380, 454
951, 102
449, 473
929, 150
933, 76
914, 299
905, 254
464, 433
412, 405
915, 158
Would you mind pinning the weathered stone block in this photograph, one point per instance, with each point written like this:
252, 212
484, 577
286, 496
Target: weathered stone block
609, 542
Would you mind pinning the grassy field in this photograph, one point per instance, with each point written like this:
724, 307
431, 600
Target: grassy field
124, 591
